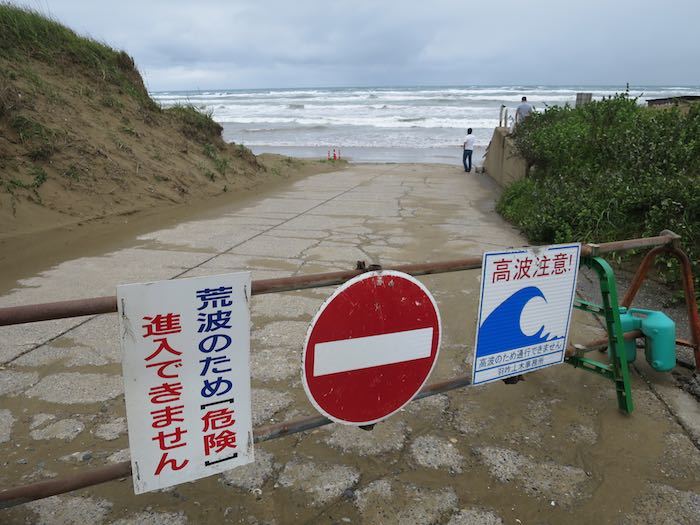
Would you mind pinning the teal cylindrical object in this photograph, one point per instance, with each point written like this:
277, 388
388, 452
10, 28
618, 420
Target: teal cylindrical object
629, 323
659, 338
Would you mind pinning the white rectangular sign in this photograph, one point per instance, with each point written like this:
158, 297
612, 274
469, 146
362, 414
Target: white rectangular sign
375, 350
186, 362
527, 296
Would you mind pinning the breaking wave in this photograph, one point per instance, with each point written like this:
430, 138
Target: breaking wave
416, 117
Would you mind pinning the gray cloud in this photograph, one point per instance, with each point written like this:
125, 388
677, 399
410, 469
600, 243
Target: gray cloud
244, 43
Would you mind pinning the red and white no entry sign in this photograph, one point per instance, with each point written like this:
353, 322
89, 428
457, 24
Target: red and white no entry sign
371, 347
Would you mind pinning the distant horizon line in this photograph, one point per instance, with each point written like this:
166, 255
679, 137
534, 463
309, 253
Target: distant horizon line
633, 87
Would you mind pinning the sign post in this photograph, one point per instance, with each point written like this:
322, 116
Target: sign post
371, 347
186, 361
527, 297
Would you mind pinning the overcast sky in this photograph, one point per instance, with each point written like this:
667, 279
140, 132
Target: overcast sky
270, 43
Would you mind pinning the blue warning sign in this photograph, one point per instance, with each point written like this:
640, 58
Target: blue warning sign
527, 296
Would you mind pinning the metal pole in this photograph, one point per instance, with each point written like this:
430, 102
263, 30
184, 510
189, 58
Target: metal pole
688, 291
53, 487
690, 302
44, 489
100, 305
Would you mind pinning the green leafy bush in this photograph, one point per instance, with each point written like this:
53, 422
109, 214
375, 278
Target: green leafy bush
608, 170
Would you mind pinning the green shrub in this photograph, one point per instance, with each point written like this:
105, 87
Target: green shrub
195, 124
608, 170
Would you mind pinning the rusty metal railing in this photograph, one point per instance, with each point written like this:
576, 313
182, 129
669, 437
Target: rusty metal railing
667, 242
102, 305
52, 487
674, 250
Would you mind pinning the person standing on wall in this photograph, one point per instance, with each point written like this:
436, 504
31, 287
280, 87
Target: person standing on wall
468, 150
523, 111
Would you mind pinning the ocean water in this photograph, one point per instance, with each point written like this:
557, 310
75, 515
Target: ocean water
382, 124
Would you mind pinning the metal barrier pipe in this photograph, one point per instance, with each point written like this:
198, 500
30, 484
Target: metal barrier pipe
286, 284
690, 301
44, 489
688, 291
627, 244
600, 344
58, 310
101, 305
640, 275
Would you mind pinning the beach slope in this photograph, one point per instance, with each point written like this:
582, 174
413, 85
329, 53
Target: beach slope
80, 137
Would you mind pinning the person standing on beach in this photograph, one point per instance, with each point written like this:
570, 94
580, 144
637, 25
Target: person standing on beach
468, 150
523, 111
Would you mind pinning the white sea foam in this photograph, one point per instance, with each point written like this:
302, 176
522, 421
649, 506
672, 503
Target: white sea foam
412, 117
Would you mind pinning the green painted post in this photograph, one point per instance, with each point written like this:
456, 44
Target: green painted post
616, 340
617, 370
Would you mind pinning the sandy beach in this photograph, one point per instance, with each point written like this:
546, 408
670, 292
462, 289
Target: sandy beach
35, 238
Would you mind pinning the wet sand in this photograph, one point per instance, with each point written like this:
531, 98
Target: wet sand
551, 449
54, 238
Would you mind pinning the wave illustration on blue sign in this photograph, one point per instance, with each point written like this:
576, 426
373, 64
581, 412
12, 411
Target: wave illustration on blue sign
501, 330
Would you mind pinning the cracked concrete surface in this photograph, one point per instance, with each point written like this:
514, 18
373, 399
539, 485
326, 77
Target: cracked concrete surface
437, 453
391, 502
323, 483
552, 449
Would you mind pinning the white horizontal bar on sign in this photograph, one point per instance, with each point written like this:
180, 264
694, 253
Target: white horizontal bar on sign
374, 350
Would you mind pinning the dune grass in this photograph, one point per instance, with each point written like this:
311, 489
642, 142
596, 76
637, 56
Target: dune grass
25, 33
28, 34
196, 124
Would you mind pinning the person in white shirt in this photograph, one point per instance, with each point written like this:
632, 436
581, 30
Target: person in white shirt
523, 111
468, 150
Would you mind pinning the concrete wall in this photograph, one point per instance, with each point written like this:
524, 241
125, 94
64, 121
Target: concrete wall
503, 164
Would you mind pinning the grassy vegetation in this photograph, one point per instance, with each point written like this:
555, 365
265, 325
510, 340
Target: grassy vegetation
28, 34
72, 173
75, 116
242, 150
196, 124
608, 170
38, 178
40, 140
111, 102
220, 163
